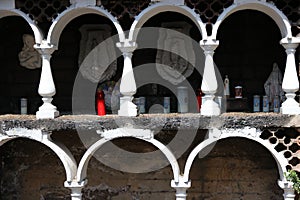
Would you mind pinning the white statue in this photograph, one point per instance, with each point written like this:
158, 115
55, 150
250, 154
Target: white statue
175, 52
97, 51
29, 57
273, 85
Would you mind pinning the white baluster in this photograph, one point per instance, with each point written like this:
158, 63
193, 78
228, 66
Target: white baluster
209, 82
290, 84
128, 85
46, 86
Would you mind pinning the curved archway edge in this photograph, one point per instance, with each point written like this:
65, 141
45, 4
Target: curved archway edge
59, 149
71, 13
36, 31
163, 7
267, 8
117, 133
251, 134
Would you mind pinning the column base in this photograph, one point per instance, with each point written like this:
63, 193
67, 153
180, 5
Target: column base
47, 114
127, 108
290, 107
210, 108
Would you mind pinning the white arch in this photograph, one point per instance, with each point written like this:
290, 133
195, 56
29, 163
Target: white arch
60, 150
163, 7
83, 165
66, 16
36, 31
279, 157
280, 19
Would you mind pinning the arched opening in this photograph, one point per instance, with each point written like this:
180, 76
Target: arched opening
249, 46
235, 168
157, 40
106, 180
75, 44
17, 81
30, 170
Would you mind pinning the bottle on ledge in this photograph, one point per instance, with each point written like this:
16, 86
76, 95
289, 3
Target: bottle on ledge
100, 103
226, 87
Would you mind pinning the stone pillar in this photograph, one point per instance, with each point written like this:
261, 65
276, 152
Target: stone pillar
181, 188
289, 193
290, 84
46, 86
128, 85
209, 81
76, 189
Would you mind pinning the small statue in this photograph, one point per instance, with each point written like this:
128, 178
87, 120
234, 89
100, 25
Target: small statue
273, 85
29, 57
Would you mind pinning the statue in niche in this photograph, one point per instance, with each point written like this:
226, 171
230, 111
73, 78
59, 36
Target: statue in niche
97, 56
175, 55
29, 57
273, 85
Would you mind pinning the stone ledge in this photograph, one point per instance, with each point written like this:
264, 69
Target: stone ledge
172, 121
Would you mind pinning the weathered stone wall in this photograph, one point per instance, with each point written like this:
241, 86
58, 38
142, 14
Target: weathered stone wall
234, 169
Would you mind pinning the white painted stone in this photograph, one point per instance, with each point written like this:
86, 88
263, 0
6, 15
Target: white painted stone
290, 83
128, 85
209, 82
76, 188
181, 188
289, 193
145, 134
46, 86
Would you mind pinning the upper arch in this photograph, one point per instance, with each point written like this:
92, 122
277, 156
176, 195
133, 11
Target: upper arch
38, 36
65, 17
163, 7
279, 157
280, 19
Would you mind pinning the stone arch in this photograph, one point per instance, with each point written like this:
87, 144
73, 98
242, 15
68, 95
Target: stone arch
36, 31
65, 17
269, 9
163, 7
59, 149
83, 164
248, 134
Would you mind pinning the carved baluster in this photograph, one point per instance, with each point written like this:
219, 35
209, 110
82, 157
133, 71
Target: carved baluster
209, 82
128, 85
290, 84
46, 86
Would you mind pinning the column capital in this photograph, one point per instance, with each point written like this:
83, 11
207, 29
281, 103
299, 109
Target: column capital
209, 45
290, 43
287, 186
44, 48
127, 46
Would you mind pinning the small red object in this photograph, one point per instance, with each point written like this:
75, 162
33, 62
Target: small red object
199, 99
100, 103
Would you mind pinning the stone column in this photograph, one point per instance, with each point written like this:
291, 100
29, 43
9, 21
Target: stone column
46, 86
76, 189
128, 85
181, 188
209, 81
289, 193
290, 84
